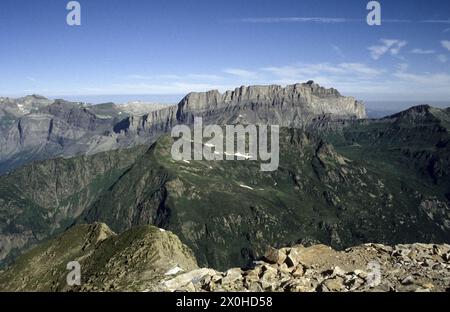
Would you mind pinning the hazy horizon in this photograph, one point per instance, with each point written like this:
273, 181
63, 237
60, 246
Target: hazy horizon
381, 106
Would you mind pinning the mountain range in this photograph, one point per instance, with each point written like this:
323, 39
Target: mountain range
343, 179
35, 128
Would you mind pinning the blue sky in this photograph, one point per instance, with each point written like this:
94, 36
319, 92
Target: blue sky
164, 48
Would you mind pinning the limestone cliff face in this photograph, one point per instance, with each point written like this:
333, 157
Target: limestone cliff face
147, 127
290, 106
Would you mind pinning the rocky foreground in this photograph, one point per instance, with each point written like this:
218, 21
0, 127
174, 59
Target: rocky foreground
370, 267
151, 259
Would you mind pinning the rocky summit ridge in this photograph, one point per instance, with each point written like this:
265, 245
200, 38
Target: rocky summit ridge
151, 259
135, 260
319, 268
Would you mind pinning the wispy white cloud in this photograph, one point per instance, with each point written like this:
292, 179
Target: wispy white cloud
446, 44
287, 71
361, 69
357, 79
401, 84
32, 79
150, 77
442, 58
174, 77
395, 20
367, 82
402, 67
242, 73
446, 30
324, 73
338, 50
426, 79
205, 76
422, 51
306, 71
156, 88
302, 72
166, 76
391, 46
320, 20
436, 21
270, 20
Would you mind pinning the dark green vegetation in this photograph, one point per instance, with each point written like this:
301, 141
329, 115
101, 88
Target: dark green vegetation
383, 181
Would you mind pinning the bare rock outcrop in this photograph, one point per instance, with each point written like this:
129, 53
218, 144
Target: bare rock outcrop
319, 268
293, 105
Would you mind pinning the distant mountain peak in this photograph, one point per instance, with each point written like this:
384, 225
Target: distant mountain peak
413, 112
36, 97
